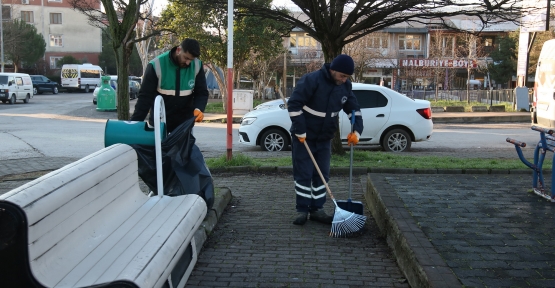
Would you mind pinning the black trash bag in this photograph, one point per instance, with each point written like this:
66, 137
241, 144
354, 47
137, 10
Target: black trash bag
183, 167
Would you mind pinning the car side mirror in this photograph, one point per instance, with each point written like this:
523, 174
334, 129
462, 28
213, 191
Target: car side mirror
10, 83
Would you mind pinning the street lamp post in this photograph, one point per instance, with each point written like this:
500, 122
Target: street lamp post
2, 34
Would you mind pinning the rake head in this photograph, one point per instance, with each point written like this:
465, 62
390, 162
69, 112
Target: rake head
346, 223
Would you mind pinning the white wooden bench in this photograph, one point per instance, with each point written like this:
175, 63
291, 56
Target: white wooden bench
89, 224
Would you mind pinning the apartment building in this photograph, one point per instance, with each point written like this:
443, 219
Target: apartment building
65, 31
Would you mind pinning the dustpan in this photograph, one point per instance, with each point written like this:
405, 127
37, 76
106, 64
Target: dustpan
349, 205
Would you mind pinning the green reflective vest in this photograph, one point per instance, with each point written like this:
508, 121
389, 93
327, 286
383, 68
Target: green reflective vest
166, 71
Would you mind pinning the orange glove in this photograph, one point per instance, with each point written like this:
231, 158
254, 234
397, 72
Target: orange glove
352, 138
301, 137
199, 115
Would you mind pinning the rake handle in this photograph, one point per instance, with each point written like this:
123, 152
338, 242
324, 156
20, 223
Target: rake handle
319, 172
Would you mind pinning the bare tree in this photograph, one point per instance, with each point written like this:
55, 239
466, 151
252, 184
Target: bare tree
469, 47
120, 18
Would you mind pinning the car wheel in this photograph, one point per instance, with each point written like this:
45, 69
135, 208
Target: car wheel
55, 90
4, 101
274, 140
35, 91
27, 98
12, 99
87, 89
94, 101
396, 140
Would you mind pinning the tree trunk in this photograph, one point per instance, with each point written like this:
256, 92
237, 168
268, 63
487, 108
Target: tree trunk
221, 84
468, 86
332, 50
124, 53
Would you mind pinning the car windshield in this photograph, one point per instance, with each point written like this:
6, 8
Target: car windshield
3, 79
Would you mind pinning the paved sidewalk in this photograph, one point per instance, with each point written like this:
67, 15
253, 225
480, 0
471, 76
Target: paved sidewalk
484, 230
449, 230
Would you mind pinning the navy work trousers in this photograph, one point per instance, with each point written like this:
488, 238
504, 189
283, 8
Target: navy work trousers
310, 190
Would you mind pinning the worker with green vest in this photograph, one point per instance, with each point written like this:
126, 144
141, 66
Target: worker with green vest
178, 76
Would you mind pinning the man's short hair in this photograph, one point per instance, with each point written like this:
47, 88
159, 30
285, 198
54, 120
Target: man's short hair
192, 46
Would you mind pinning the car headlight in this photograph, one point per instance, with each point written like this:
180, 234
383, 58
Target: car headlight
247, 121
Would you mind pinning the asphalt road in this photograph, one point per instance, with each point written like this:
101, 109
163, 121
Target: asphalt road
68, 125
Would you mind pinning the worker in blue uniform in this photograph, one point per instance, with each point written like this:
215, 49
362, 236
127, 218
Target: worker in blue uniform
313, 107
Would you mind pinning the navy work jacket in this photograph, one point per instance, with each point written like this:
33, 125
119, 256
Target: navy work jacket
316, 102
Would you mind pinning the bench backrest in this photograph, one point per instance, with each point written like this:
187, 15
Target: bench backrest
64, 207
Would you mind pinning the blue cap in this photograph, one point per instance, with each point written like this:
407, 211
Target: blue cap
344, 64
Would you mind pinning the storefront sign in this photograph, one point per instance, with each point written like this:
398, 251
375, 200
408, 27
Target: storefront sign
436, 63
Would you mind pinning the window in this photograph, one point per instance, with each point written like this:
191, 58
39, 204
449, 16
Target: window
55, 18
409, 42
90, 73
54, 62
55, 1
300, 40
370, 99
27, 16
6, 13
19, 81
488, 42
55, 40
378, 41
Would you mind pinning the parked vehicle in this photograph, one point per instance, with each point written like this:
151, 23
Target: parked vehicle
543, 104
15, 86
391, 120
134, 88
42, 84
271, 104
81, 76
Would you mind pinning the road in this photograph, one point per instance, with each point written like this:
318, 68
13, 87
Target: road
68, 125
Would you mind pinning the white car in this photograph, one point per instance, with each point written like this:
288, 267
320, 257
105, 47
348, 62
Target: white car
391, 120
272, 104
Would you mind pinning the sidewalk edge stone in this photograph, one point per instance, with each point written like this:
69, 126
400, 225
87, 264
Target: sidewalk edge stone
418, 262
221, 200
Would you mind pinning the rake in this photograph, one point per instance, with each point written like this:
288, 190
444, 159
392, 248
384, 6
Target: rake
344, 222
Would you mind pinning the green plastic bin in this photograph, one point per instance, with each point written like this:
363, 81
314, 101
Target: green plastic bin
106, 98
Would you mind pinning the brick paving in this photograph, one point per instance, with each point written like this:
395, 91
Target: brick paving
255, 243
488, 229
491, 230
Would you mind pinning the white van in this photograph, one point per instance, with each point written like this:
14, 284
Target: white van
544, 86
15, 86
81, 76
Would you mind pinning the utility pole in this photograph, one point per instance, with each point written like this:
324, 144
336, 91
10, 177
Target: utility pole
2, 33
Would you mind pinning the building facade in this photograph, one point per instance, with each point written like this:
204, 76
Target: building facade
409, 56
65, 31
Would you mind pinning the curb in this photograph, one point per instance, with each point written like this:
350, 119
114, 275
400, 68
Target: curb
417, 258
364, 170
221, 199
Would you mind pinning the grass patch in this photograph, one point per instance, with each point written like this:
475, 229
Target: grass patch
377, 159
218, 107
236, 160
467, 106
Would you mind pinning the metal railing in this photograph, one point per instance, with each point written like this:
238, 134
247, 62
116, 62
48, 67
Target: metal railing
481, 96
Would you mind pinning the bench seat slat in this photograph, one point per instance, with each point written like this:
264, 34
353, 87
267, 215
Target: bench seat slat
156, 249
104, 263
62, 221
40, 188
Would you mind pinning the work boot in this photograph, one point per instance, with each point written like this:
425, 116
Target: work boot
301, 218
321, 216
